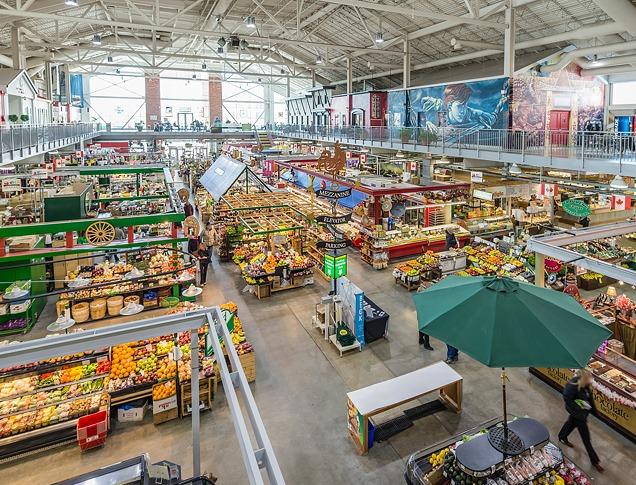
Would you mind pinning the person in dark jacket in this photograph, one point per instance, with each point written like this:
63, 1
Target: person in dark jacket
579, 403
203, 256
451, 239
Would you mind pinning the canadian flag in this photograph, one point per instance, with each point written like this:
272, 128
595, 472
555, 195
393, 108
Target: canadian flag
621, 202
549, 190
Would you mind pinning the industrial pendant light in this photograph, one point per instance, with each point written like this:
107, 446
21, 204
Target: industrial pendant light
379, 38
204, 66
97, 40
619, 183
515, 170
399, 154
109, 59
250, 22
319, 60
443, 161
71, 3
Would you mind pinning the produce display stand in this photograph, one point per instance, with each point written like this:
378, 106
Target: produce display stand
74, 386
437, 378
450, 460
614, 372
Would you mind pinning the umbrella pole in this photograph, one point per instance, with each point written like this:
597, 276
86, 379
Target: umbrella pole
505, 409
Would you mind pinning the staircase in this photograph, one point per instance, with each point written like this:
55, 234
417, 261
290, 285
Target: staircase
264, 139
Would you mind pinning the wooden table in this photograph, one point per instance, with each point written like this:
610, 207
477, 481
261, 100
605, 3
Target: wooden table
383, 396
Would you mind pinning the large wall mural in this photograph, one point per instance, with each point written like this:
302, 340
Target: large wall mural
534, 96
468, 106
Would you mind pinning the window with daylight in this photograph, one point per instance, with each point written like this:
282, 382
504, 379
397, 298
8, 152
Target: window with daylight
624, 93
118, 100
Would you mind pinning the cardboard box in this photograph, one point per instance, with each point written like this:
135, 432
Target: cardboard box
128, 413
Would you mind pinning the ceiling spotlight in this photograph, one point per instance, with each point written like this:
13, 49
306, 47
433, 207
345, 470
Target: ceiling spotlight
109, 59
71, 3
194, 76
595, 60
456, 44
250, 22
218, 19
379, 38
514, 169
260, 80
443, 161
618, 183
97, 40
282, 71
204, 66
219, 50
117, 71
243, 44
319, 60
399, 154
221, 42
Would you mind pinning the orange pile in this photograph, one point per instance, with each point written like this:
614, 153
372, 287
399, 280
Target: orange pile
164, 390
167, 370
122, 362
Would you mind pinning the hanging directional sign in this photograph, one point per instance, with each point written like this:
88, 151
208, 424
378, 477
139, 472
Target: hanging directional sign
334, 194
334, 219
333, 244
335, 266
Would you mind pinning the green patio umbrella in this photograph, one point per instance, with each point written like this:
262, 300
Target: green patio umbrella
507, 323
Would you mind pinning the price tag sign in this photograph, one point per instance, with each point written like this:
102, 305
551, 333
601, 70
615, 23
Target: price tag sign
476, 177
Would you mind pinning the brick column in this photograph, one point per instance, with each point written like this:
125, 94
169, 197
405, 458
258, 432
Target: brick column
215, 94
153, 100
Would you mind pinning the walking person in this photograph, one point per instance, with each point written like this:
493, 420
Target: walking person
208, 237
452, 354
204, 260
579, 403
451, 240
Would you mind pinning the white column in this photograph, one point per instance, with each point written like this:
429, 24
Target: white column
406, 66
17, 49
509, 40
268, 102
349, 75
288, 86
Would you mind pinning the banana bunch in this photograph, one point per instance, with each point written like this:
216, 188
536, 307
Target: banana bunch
437, 459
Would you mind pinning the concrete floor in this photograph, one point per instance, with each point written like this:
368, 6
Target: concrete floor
300, 391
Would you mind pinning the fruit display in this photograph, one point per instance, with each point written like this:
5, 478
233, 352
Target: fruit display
14, 324
30, 420
485, 260
164, 390
126, 277
266, 263
603, 249
406, 234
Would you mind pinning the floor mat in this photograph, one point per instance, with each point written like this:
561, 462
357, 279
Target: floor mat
425, 409
392, 427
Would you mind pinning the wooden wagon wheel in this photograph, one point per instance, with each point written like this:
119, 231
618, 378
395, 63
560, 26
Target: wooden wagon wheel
100, 233
183, 194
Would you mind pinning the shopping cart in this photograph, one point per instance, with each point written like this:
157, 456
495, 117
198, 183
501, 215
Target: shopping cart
92, 430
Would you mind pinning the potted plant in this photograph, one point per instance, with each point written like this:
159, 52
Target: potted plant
405, 134
13, 118
140, 126
24, 118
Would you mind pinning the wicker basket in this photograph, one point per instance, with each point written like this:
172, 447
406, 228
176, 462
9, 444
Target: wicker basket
115, 303
98, 308
131, 299
80, 312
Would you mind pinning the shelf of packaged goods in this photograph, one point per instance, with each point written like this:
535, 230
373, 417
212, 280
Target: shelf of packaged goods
38, 369
56, 403
125, 293
52, 388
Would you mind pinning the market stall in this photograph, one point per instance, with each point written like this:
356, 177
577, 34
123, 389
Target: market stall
437, 379
41, 402
464, 459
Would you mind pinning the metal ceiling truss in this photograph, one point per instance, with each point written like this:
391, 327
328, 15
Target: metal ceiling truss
255, 457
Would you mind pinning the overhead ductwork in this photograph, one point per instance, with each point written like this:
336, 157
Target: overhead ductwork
623, 12
588, 51
606, 62
604, 71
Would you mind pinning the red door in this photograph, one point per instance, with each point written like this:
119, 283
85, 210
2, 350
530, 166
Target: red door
559, 126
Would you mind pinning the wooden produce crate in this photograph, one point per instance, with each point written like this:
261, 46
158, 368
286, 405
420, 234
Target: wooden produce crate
164, 416
207, 389
263, 290
248, 361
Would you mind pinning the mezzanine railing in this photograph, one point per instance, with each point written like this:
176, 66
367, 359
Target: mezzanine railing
18, 141
582, 145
